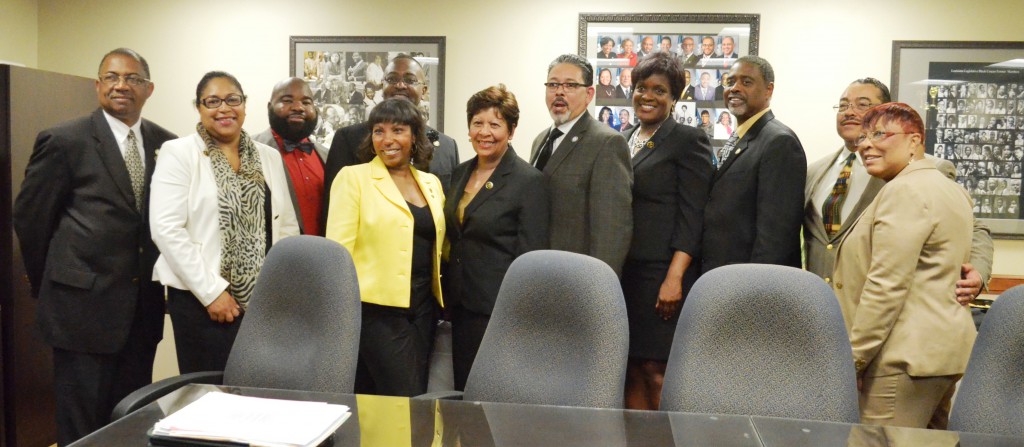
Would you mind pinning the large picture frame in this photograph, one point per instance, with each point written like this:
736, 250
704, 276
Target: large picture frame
342, 69
971, 96
606, 38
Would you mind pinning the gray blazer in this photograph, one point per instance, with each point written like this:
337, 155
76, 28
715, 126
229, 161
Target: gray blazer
267, 138
820, 250
590, 181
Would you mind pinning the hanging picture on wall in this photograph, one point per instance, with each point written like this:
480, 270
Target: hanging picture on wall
346, 75
706, 44
971, 97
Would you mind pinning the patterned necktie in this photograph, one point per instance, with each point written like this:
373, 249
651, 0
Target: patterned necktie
545, 153
133, 161
832, 209
726, 150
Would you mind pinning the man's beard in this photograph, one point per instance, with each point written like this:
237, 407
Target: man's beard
290, 131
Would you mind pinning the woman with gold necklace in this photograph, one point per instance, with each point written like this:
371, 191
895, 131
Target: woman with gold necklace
671, 176
498, 210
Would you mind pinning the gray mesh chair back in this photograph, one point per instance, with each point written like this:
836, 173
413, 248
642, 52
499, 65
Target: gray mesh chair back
762, 340
301, 330
557, 336
991, 395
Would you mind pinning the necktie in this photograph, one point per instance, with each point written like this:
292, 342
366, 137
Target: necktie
545, 153
831, 210
133, 161
304, 146
724, 152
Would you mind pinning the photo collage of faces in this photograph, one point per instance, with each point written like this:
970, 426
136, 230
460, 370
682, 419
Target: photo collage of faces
979, 127
705, 58
346, 86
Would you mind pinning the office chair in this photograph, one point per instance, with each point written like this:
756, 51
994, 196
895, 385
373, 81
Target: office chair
300, 331
558, 335
991, 395
762, 340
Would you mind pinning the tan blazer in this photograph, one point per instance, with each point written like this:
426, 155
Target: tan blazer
895, 275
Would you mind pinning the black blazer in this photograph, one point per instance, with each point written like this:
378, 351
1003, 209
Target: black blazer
500, 223
755, 208
671, 179
345, 147
87, 250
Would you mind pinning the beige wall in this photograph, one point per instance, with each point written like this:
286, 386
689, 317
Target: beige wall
816, 47
19, 22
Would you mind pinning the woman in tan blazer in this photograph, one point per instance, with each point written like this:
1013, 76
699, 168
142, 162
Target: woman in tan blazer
388, 213
895, 273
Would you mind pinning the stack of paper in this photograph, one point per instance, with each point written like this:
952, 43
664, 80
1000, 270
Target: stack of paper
252, 421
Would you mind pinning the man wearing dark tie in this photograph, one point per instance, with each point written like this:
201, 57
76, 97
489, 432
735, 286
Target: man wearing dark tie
625, 88
755, 207
587, 168
839, 189
82, 221
293, 119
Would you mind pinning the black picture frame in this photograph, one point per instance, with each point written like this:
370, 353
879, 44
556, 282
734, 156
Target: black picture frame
339, 84
971, 97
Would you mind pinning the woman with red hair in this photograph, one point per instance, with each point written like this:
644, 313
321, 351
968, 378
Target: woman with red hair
894, 273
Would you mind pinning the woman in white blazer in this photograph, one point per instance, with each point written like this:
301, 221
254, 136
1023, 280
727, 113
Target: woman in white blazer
218, 201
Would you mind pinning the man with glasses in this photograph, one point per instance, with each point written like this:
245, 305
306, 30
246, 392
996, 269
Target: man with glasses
403, 77
82, 221
587, 168
834, 199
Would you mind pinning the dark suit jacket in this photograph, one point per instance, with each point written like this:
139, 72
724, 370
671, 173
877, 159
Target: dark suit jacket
345, 146
500, 223
589, 183
267, 137
671, 179
688, 93
755, 208
87, 250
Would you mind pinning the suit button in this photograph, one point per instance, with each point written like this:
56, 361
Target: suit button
135, 280
828, 280
140, 250
828, 247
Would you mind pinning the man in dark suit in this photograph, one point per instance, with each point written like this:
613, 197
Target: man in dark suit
729, 55
625, 88
587, 168
293, 119
402, 77
687, 55
82, 221
707, 51
755, 208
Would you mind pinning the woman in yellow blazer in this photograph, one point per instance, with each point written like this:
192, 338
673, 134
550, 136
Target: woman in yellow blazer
390, 217
895, 274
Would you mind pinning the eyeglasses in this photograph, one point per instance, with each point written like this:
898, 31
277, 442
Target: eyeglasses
568, 86
112, 79
213, 102
878, 136
860, 106
410, 80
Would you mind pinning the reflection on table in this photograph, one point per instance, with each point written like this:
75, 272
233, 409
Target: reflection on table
398, 421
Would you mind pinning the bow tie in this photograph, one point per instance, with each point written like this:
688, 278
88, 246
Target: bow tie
304, 146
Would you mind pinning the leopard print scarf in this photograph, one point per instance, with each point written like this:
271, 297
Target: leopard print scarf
241, 197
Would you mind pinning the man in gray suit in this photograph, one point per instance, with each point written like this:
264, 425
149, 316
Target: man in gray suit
587, 168
403, 77
861, 188
293, 119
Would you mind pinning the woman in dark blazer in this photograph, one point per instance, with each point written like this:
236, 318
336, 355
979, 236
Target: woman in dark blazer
497, 211
671, 177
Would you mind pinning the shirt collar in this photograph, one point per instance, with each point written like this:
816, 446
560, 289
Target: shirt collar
120, 129
743, 128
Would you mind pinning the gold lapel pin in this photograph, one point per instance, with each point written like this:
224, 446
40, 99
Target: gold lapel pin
650, 144
488, 185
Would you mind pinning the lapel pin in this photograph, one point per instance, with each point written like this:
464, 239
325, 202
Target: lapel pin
650, 144
488, 185
437, 143
575, 139
739, 150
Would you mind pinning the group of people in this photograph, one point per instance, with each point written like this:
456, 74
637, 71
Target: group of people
104, 223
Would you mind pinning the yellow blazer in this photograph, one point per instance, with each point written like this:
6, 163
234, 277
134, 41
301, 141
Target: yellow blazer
895, 277
368, 215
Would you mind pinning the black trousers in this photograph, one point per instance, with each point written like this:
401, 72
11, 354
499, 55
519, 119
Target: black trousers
89, 385
200, 343
468, 329
394, 349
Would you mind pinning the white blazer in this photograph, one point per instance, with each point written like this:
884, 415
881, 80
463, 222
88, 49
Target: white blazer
184, 215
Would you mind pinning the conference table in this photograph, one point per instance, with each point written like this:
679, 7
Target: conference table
397, 421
